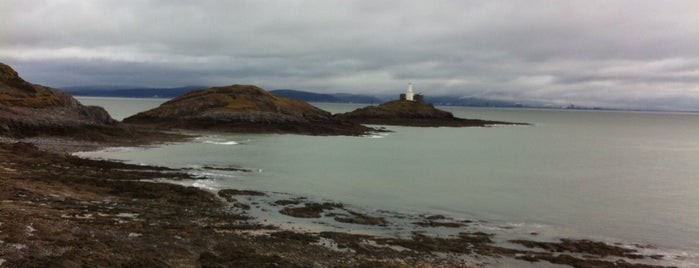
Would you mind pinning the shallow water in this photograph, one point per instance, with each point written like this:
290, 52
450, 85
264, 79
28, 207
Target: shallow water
614, 176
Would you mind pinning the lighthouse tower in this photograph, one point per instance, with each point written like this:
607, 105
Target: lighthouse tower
409, 93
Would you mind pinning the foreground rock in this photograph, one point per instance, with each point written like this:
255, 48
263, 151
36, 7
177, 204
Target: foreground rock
412, 113
244, 108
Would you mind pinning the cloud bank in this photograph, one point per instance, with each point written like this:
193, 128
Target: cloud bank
625, 54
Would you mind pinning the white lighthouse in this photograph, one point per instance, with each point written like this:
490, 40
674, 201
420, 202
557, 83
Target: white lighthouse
409, 93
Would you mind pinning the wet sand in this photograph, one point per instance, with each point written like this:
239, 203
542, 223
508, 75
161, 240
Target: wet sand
62, 211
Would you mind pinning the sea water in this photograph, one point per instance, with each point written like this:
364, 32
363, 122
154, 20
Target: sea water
610, 175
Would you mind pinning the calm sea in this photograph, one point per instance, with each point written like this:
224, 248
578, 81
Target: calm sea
626, 176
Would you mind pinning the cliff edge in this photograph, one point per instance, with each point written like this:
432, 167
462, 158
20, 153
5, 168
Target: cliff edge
244, 108
28, 109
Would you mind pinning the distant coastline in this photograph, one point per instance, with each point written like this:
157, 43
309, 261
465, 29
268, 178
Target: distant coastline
437, 100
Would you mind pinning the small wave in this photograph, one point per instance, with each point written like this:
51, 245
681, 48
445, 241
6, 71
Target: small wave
207, 185
202, 174
222, 142
116, 149
376, 136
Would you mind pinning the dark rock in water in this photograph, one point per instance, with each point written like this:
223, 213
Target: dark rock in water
28, 109
229, 169
431, 223
245, 108
241, 205
226, 193
580, 246
411, 113
286, 202
303, 212
435, 217
358, 218
310, 210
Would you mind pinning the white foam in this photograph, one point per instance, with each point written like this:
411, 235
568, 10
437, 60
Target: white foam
204, 185
376, 135
212, 175
222, 142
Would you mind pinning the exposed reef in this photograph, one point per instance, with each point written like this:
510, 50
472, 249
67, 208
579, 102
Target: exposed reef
412, 113
244, 108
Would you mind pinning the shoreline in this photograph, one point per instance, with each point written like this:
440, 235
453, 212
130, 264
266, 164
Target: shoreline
112, 206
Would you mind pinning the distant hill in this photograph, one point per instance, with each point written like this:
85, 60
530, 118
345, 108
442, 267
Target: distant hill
457, 100
318, 97
304, 95
134, 92
107, 91
440, 100
472, 102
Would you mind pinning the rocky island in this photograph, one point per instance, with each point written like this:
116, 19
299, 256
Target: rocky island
244, 108
412, 110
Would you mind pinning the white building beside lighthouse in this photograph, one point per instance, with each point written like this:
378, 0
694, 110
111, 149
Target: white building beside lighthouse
409, 95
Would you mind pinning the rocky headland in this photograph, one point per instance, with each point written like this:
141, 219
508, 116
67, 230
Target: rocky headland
29, 110
244, 108
412, 113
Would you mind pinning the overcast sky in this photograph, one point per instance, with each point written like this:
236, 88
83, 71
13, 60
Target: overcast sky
627, 54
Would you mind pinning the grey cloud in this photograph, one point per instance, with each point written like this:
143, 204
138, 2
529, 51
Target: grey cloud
596, 52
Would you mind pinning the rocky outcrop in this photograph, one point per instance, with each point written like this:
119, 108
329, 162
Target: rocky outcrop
244, 108
411, 113
28, 109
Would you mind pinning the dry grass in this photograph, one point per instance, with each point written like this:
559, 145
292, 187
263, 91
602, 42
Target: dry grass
43, 98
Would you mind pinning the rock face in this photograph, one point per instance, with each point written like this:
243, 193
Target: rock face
28, 109
411, 113
244, 108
